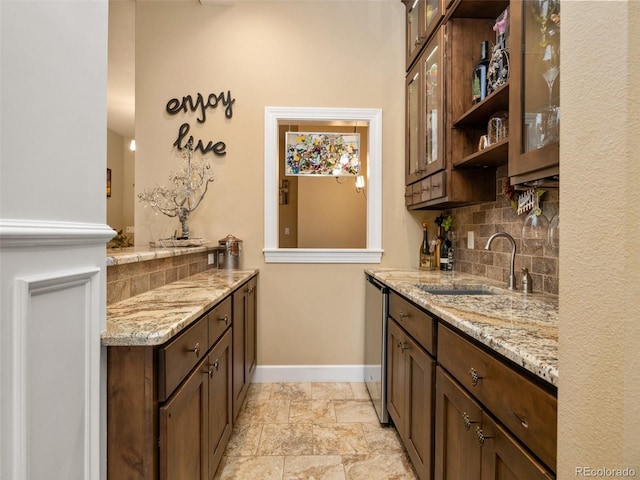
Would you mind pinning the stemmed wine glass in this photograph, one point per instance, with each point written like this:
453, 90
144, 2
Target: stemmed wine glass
548, 117
542, 11
554, 231
535, 228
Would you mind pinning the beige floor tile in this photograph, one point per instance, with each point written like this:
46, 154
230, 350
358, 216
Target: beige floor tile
382, 440
259, 391
286, 439
312, 411
352, 411
291, 391
246, 468
378, 467
244, 440
331, 391
338, 439
359, 390
264, 411
314, 467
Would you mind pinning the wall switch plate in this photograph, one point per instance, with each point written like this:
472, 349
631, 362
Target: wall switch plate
286, 230
470, 240
130, 229
211, 259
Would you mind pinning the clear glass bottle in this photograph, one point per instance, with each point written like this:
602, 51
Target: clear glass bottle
425, 255
444, 251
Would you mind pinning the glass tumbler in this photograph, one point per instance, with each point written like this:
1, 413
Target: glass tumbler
498, 128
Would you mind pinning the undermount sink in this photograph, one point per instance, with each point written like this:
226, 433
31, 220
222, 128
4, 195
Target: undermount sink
457, 289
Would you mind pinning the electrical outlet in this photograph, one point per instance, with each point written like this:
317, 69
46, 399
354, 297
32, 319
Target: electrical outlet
470, 240
211, 259
286, 230
130, 229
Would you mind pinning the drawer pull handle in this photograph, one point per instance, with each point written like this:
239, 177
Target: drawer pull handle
481, 436
474, 376
210, 371
522, 419
224, 319
196, 350
403, 315
467, 421
403, 346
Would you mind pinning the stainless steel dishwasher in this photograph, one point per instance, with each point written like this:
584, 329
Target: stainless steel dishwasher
375, 355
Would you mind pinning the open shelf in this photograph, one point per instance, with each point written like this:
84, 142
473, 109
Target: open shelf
492, 156
480, 113
476, 9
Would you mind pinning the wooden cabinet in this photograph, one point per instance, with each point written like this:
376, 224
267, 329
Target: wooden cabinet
410, 381
423, 17
244, 341
511, 419
534, 98
444, 128
170, 407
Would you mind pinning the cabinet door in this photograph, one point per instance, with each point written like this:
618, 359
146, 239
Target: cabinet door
183, 429
244, 341
504, 459
220, 400
419, 378
432, 61
423, 17
396, 401
458, 454
251, 337
534, 103
414, 155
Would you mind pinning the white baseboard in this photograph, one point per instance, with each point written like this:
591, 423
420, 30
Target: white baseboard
308, 373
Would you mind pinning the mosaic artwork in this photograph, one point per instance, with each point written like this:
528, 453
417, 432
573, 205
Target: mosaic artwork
335, 154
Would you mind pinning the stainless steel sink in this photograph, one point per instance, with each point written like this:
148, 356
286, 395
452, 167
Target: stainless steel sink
457, 289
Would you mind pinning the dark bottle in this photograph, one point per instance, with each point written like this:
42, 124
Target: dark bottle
479, 83
425, 256
444, 251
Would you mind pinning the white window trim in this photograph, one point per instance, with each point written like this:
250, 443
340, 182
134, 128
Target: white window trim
373, 251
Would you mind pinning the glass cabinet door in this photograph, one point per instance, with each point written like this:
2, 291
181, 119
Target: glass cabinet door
423, 17
413, 124
432, 67
535, 101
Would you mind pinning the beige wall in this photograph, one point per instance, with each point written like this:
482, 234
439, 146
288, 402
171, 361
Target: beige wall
121, 204
310, 54
599, 407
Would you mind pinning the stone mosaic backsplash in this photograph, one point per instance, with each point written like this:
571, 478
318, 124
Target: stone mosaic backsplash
488, 218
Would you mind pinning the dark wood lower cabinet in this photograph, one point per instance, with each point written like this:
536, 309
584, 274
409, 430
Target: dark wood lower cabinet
470, 445
410, 397
244, 341
183, 429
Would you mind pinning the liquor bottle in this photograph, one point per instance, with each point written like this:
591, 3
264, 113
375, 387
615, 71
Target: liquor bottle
444, 251
425, 256
479, 82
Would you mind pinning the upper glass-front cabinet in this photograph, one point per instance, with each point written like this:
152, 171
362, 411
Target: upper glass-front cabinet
423, 16
535, 100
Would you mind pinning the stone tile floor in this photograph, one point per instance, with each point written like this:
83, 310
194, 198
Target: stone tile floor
312, 431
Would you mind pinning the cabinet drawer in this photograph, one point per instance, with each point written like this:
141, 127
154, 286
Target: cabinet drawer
438, 185
219, 318
417, 323
526, 409
178, 357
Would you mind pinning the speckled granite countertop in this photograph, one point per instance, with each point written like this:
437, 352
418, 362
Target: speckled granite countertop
120, 256
522, 328
153, 317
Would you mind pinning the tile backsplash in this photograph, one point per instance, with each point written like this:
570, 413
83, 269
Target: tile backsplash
488, 218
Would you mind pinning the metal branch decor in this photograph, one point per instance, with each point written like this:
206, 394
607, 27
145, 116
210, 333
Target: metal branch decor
332, 154
189, 187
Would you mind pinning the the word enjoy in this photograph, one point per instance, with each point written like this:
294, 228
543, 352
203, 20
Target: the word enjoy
175, 106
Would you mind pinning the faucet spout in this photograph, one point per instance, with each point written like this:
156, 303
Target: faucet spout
512, 276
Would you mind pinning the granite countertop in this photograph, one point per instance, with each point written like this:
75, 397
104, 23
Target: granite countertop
121, 256
522, 328
153, 317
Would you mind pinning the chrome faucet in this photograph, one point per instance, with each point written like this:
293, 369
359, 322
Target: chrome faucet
512, 276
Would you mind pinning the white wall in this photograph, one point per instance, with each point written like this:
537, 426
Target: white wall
52, 237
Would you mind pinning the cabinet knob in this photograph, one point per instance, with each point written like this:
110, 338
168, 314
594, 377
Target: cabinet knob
403, 346
403, 315
481, 436
210, 371
466, 419
196, 349
435, 186
224, 319
474, 376
522, 419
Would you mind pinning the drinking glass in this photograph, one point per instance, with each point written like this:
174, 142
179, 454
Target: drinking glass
535, 228
554, 231
542, 11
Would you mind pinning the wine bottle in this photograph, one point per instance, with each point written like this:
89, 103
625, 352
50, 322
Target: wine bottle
425, 256
479, 82
444, 251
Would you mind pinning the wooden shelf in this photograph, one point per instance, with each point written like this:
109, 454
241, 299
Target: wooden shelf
479, 114
492, 156
477, 9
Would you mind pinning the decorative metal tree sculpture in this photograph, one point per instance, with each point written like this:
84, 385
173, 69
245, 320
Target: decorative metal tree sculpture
189, 188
